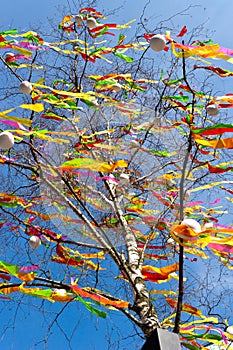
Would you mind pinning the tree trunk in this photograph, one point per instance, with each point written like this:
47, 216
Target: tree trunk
143, 305
133, 268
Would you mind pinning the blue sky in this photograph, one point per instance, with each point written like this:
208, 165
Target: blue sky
217, 15
30, 325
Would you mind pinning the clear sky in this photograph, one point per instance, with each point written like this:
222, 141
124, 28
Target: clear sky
216, 14
30, 326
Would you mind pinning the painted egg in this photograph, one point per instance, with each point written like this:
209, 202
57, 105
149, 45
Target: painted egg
6, 140
8, 55
157, 42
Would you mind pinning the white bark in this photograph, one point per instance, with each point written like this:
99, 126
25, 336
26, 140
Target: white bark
142, 303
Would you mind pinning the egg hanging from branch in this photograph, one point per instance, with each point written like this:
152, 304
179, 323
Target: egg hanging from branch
116, 87
170, 243
34, 242
25, 87
8, 56
229, 330
61, 292
78, 20
91, 23
123, 179
212, 110
157, 42
193, 224
6, 140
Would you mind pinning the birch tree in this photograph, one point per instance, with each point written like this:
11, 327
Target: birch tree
115, 174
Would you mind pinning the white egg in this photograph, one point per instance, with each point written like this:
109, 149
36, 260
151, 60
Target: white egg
170, 242
34, 242
212, 110
230, 330
25, 87
192, 224
158, 42
95, 103
123, 179
6, 140
61, 292
116, 87
91, 23
78, 20
187, 195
